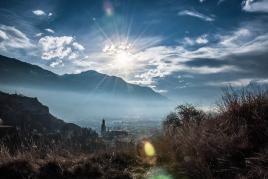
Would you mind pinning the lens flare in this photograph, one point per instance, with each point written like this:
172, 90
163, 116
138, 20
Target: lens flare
108, 8
160, 176
158, 173
149, 149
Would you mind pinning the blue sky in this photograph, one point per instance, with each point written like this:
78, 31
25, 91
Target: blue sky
185, 49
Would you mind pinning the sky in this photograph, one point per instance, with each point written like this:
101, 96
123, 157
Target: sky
184, 49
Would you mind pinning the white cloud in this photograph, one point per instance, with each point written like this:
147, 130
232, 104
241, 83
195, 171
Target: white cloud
188, 41
156, 58
203, 39
255, 6
73, 56
10, 37
160, 91
3, 35
56, 63
59, 48
196, 14
239, 82
78, 46
38, 34
55, 47
239, 41
241, 34
50, 30
211, 70
39, 12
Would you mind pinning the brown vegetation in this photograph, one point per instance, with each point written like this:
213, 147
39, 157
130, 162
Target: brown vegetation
230, 144
63, 164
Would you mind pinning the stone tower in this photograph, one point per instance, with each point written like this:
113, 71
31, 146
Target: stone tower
103, 127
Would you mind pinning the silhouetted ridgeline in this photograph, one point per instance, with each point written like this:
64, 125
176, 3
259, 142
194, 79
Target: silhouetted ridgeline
33, 124
15, 72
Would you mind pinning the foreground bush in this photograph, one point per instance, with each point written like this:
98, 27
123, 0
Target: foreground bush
94, 166
232, 143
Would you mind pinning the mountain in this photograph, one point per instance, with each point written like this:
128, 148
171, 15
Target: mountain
28, 113
25, 122
87, 96
15, 72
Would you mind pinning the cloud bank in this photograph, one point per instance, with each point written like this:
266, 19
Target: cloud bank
59, 49
11, 37
255, 6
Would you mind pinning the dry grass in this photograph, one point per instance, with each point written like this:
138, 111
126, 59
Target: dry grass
63, 164
231, 144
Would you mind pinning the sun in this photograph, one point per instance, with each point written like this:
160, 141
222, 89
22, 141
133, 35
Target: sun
122, 59
121, 56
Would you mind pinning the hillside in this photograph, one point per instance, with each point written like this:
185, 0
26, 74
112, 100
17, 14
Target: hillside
33, 125
29, 114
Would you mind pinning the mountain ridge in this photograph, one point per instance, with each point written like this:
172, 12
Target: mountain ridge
16, 72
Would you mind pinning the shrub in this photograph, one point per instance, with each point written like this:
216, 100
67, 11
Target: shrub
17, 170
50, 170
258, 165
87, 170
219, 146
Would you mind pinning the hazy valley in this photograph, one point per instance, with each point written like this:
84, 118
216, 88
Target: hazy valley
84, 98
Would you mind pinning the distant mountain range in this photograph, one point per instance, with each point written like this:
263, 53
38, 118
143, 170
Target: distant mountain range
15, 72
87, 96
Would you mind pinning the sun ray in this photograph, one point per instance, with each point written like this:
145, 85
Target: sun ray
103, 32
99, 83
